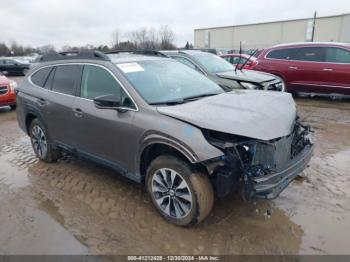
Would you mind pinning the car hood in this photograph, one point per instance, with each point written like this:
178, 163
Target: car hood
255, 114
247, 75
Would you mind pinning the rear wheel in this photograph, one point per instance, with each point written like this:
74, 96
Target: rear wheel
182, 196
40, 142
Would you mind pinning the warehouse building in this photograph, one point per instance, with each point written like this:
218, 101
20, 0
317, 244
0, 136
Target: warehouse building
260, 35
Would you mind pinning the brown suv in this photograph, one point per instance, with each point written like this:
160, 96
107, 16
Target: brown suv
163, 124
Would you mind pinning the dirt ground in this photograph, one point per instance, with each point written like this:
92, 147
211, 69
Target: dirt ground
75, 207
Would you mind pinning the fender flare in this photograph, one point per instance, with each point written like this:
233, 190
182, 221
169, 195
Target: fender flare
152, 138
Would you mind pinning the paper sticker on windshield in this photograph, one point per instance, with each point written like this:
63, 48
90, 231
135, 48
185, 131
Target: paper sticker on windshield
130, 67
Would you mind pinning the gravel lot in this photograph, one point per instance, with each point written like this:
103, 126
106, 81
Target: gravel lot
75, 207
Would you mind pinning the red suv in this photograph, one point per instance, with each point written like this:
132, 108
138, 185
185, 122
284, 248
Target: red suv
319, 68
7, 92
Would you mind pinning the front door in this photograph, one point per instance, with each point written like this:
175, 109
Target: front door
104, 134
305, 70
337, 66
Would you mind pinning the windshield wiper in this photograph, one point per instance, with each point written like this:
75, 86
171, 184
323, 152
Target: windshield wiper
169, 103
184, 100
190, 98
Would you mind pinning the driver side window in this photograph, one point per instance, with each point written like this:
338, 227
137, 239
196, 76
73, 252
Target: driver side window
97, 81
186, 62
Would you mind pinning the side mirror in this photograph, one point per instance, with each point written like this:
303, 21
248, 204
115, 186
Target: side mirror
108, 101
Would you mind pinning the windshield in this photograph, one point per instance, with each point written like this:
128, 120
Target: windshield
165, 80
213, 63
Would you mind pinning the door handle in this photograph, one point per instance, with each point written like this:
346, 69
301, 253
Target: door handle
293, 67
41, 102
78, 112
327, 69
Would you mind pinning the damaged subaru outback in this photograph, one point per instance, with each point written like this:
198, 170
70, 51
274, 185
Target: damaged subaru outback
161, 123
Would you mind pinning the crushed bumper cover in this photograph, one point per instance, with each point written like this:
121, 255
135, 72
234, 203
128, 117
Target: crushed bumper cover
271, 185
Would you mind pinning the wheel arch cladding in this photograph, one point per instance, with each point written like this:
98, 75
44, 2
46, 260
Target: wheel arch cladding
152, 151
28, 120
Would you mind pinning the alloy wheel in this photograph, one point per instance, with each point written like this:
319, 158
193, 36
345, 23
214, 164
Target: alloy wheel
171, 193
39, 141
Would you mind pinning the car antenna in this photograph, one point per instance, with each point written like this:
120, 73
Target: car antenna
252, 54
240, 55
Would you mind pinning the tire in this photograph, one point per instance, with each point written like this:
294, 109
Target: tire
38, 137
13, 107
25, 71
184, 204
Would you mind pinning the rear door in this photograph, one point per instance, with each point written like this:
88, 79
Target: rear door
337, 66
105, 134
63, 84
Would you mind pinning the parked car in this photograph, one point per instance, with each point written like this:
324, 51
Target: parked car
223, 73
7, 92
162, 124
319, 68
240, 59
10, 66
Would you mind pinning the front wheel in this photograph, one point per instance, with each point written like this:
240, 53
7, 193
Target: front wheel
40, 142
182, 196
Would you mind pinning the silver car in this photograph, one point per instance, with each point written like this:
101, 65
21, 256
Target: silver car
162, 124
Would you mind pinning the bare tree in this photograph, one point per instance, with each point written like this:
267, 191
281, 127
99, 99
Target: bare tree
46, 49
151, 39
167, 37
115, 38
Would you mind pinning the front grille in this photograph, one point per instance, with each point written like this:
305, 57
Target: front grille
3, 90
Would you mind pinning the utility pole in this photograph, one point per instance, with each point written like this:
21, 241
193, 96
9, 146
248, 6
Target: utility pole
313, 27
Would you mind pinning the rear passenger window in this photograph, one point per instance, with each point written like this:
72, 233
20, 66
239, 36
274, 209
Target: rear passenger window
337, 55
66, 78
49, 80
311, 54
39, 78
285, 54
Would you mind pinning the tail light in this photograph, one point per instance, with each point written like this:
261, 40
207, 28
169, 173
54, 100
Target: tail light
252, 64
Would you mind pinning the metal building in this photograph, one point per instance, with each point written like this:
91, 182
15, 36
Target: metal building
260, 35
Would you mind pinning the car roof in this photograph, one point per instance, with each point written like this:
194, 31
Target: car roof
184, 51
129, 57
313, 44
235, 54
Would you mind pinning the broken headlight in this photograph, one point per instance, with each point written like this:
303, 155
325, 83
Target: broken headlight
257, 153
248, 85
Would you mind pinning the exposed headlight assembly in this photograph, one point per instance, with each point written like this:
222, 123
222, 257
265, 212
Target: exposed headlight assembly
248, 85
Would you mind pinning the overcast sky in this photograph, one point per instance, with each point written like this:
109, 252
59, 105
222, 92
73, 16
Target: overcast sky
80, 22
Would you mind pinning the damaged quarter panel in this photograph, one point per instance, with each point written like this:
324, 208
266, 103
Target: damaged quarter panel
255, 114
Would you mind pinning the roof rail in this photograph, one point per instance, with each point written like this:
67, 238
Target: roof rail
138, 52
86, 54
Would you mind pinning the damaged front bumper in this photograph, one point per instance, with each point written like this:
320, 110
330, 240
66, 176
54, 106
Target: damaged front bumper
261, 169
271, 185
